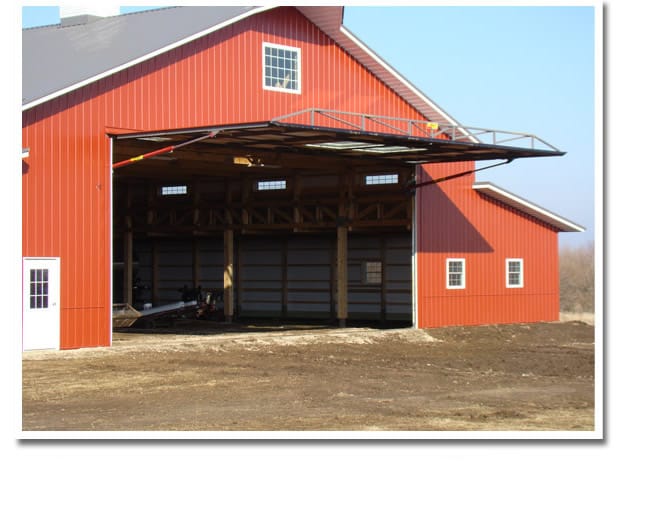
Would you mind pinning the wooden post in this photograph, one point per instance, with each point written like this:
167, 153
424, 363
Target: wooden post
196, 263
342, 225
341, 272
127, 261
285, 275
155, 272
246, 198
229, 203
297, 215
228, 275
383, 243
196, 192
127, 250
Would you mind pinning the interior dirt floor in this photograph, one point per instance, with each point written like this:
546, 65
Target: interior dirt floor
210, 377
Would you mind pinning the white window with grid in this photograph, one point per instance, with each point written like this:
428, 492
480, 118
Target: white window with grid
271, 185
455, 273
168, 191
372, 272
375, 180
281, 68
515, 273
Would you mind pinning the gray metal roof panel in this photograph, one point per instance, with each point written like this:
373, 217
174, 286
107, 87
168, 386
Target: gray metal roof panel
56, 57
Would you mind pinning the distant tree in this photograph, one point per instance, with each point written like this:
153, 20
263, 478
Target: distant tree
577, 278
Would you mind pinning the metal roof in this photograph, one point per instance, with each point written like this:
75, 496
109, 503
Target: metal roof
59, 58
510, 199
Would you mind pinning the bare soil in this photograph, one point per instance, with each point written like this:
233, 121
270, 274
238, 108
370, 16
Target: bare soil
207, 377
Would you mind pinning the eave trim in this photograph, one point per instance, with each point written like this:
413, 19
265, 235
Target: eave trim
510, 199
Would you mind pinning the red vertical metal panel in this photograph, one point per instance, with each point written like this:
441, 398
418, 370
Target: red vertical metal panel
454, 221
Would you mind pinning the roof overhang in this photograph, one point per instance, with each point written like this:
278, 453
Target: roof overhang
510, 199
377, 150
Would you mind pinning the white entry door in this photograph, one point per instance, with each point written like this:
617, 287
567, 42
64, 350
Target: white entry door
40, 303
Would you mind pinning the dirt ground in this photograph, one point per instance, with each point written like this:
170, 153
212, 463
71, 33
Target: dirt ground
209, 378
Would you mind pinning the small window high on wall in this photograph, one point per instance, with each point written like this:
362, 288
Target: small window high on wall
281, 70
386, 178
271, 185
178, 189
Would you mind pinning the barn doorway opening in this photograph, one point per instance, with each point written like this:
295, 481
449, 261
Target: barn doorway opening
301, 215
244, 230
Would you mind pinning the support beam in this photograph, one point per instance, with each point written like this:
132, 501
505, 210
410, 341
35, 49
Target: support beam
228, 275
196, 263
155, 272
297, 189
383, 245
127, 262
342, 225
341, 275
284, 251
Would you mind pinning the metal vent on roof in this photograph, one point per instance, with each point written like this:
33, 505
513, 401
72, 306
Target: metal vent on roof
75, 15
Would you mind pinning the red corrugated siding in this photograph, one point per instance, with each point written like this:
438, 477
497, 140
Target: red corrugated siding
66, 204
218, 79
215, 80
456, 222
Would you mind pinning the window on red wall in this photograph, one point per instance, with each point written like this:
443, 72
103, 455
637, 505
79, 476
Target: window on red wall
455, 273
281, 70
515, 273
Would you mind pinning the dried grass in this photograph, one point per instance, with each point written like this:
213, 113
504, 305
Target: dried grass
577, 279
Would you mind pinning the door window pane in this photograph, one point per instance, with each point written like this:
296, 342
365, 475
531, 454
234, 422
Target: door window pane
39, 288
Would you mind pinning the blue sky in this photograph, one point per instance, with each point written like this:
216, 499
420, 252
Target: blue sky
527, 69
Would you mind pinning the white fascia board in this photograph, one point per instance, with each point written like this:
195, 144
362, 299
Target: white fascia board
527, 207
143, 58
373, 55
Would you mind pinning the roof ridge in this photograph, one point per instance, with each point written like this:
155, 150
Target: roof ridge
37, 27
146, 11
133, 13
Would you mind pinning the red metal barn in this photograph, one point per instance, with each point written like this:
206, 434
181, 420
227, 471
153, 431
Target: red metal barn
269, 153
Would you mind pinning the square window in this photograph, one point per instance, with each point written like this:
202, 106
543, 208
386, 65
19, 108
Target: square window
515, 273
372, 272
455, 273
281, 71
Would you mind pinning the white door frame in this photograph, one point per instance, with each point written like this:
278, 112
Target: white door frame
40, 303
